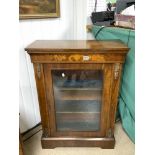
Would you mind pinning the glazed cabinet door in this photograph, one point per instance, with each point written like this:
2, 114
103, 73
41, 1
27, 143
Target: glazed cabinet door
78, 98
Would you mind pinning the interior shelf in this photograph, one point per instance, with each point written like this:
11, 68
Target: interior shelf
78, 89
78, 83
78, 106
80, 112
78, 116
77, 126
79, 95
78, 121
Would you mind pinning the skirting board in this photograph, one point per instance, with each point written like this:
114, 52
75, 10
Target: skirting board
53, 142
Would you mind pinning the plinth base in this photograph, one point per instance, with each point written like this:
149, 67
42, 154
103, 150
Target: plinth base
53, 142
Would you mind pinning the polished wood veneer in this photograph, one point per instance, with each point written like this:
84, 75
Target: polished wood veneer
78, 85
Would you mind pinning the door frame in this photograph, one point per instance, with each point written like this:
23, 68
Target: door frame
106, 98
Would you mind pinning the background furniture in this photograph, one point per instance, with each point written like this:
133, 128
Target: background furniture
123, 4
78, 83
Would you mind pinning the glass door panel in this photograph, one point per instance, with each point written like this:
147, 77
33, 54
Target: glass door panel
77, 96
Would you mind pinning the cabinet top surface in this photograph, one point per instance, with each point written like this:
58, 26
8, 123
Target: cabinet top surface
49, 46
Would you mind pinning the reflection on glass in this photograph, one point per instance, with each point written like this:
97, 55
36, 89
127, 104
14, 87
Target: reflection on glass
77, 99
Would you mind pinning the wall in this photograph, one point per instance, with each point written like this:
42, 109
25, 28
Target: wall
71, 25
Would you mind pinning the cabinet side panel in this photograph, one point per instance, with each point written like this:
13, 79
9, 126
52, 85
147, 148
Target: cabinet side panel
42, 98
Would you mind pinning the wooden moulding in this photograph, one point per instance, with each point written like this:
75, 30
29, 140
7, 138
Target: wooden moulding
77, 58
76, 46
53, 142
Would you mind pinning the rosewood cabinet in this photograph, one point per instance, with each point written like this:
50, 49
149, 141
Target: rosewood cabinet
78, 85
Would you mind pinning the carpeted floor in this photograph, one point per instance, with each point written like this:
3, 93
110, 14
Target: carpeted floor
124, 146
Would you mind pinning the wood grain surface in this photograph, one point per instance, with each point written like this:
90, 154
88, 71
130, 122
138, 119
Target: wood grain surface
43, 46
51, 57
